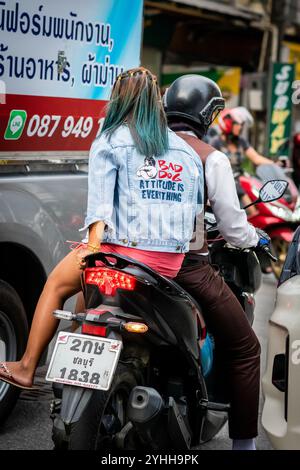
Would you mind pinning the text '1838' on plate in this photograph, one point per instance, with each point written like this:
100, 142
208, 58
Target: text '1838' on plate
84, 361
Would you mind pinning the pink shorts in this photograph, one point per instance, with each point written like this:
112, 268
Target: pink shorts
165, 263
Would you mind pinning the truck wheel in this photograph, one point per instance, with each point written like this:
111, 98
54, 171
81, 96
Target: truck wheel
13, 337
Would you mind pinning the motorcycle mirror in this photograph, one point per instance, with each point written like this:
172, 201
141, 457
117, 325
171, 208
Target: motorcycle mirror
272, 190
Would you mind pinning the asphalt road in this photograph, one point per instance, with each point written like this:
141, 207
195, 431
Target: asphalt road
29, 426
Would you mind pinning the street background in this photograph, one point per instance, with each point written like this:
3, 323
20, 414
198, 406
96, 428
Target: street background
251, 48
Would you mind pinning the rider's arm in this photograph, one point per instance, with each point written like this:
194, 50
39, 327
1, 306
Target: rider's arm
95, 234
256, 158
221, 191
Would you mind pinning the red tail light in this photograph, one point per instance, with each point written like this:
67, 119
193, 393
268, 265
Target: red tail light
109, 280
95, 330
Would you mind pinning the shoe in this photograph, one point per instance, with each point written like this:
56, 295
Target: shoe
6, 376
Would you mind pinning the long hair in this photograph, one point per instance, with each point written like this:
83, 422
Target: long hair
136, 101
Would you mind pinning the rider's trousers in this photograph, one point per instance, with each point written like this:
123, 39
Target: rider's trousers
235, 339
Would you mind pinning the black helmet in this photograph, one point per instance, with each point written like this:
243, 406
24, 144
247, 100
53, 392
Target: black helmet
194, 100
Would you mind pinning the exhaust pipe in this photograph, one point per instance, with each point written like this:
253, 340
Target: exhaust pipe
144, 410
144, 404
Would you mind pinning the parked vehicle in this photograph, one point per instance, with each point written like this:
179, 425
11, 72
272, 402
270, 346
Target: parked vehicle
281, 381
141, 371
44, 140
278, 218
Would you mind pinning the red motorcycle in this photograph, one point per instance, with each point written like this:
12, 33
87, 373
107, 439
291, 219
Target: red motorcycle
278, 218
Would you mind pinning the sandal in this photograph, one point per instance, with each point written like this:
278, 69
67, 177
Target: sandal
6, 376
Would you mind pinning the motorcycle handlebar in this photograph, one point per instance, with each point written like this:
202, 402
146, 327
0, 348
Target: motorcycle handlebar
264, 248
217, 237
268, 252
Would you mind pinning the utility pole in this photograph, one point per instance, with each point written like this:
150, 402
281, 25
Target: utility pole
281, 15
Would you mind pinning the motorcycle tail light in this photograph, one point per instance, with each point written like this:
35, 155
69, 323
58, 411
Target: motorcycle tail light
109, 280
95, 330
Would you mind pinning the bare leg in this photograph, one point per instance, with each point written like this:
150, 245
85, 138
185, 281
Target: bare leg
63, 282
80, 303
79, 307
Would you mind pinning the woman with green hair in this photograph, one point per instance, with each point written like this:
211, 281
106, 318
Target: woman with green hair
145, 189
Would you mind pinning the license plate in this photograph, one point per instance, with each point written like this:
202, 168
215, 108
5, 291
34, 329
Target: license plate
84, 361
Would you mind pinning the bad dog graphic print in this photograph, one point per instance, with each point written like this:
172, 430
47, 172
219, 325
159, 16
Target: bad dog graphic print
148, 170
160, 180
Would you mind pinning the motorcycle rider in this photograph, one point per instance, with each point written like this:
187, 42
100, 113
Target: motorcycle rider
121, 164
191, 104
236, 147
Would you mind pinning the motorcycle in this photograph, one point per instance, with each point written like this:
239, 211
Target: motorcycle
278, 218
141, 371
281, 381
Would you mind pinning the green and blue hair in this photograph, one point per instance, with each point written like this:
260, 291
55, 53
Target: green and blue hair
136, 101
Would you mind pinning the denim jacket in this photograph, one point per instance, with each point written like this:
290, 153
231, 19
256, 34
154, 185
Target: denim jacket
146, 203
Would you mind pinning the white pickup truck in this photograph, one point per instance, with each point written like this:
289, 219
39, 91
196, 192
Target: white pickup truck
58, 61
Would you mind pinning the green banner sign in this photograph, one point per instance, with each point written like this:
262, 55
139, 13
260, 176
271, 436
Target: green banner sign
280, 110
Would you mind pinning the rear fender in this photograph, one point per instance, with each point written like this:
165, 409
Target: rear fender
74, 402
75, 399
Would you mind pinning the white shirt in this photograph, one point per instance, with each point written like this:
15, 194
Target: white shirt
222, 195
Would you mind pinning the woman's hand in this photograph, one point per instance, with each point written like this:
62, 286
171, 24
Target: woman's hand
81, 253
93, 245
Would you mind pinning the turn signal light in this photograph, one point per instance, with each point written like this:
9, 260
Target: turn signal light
134, 327
109, 280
